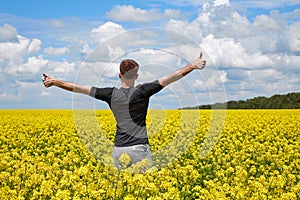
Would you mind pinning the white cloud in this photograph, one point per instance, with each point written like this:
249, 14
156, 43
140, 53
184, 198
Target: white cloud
264, 82
287, 63
214, 81
27, 85
148, 56
221, 3
293, 37
8, 33
103, 74
7, 97
255, 57
265, 75
271, 4
129, 13
227, 52
58, 23
190, 30
56, 51
265, 43
62, 67
106, 31
223, 21
172, 13
265, 23
33, 65
16, 52
186, 52
177, 25
114, 47
45, 94
34, 46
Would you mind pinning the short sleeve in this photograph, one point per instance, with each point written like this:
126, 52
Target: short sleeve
103, 94
149, 89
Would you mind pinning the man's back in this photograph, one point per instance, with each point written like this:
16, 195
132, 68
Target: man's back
129, 106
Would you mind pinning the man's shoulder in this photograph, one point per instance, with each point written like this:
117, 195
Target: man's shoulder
149, 88
105, 88
154, 83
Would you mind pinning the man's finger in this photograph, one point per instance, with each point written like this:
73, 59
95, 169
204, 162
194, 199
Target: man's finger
200, 55
45, 75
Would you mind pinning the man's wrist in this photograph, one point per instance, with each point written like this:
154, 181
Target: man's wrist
193, 66
56, 82
187, 69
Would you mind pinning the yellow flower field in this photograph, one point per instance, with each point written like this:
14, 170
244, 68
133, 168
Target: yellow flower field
57, 154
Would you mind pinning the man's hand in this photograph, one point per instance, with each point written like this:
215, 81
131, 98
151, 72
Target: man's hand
48, 80
180, 73
199, 63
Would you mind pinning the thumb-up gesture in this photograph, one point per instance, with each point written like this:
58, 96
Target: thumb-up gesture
199, 63
48, 80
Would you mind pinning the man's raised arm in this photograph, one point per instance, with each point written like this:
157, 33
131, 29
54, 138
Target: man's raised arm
50, 81
180, 73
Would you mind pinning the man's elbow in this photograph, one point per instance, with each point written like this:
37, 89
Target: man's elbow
82, 90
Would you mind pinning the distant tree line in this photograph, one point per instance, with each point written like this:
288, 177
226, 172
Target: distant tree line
286, 101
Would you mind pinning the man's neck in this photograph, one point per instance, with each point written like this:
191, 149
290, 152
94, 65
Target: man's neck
127, 83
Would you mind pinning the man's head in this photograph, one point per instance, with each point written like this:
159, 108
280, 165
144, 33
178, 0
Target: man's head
128, 69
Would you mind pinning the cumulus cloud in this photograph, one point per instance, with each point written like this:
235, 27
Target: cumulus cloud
221, 3
215, 81
264, 43
34, 46
148, 57
27, 85
120, 41
287, 63
223, 21
16, 52
172, 13
230, 41
62, 67
254, 55
265, 23
190, 30
271, 75
225, 52
106, 31
293, 37
264, 82
128, 13
33, 65
8, 33
56, 51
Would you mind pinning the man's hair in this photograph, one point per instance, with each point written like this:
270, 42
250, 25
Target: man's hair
129, 68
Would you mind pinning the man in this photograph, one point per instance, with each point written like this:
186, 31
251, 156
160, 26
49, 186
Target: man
129, 104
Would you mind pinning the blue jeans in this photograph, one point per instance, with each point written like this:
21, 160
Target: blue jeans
136, 153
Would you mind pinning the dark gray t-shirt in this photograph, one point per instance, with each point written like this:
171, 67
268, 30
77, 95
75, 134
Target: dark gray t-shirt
129, 106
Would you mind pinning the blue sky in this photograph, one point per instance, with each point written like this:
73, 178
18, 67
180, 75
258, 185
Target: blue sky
252, 49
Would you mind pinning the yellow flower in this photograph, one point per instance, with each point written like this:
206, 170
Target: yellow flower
45, 155
124, 160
